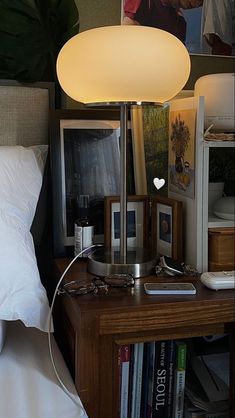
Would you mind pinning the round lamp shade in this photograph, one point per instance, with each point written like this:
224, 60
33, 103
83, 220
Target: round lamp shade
115, 64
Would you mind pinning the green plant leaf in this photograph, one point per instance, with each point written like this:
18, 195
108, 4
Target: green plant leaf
31, 35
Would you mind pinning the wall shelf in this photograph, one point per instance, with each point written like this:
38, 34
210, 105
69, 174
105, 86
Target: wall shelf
215, 222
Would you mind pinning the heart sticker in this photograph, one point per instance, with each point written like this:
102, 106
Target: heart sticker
158, 183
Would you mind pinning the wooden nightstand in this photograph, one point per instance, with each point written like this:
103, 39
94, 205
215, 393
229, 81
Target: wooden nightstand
90, 328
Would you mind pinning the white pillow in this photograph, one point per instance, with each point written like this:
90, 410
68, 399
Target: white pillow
22, 295
2, 333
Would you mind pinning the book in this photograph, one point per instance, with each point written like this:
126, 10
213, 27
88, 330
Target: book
124, 364
160, 380
147, 379
171, 356
163, 379
179, 380
137, 379
151, 362
145, 374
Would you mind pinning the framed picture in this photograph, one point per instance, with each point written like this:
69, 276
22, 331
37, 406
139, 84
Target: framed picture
181, 157
150, 132
137, 221
85, 154
166, 227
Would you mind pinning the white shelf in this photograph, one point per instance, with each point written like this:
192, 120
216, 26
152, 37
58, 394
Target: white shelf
219, 144
215, 222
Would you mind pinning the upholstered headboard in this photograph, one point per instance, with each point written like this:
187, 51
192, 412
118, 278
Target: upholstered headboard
24, 112
24, 120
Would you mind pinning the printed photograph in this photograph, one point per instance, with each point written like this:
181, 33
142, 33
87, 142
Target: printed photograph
165, 227
131, 224
204, 26
181, 157
155, 136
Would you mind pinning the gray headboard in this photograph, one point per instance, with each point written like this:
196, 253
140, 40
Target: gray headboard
24, 120
24, 112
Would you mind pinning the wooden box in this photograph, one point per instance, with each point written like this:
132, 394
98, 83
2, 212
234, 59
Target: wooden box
221, 249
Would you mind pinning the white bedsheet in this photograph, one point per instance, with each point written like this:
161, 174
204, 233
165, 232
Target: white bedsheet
28, 385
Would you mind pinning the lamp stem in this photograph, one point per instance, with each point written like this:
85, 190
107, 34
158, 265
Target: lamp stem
123, 181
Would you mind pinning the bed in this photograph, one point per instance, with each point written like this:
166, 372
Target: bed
28, 382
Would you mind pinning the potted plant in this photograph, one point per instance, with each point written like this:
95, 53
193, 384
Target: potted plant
31, 34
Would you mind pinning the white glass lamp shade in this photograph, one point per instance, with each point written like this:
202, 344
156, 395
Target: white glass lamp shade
115, 64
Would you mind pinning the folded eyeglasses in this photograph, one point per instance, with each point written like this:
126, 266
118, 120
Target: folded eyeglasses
97, 284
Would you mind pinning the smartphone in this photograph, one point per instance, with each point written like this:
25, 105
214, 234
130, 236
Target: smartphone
172, 267
169, 289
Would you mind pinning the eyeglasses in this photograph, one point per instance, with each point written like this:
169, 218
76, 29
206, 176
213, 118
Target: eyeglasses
97, 284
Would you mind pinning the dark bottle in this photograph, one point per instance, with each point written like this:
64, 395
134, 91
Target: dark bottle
83, 230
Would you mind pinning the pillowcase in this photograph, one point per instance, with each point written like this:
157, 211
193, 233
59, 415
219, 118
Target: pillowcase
22, 295
2, 333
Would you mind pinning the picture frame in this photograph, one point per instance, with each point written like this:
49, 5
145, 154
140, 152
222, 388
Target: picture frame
85, 162
150, 138
137, 221
166, 227
181, 151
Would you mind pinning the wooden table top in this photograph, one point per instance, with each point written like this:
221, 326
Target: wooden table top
130, 307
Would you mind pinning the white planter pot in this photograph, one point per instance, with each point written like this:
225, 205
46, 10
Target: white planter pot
215, 192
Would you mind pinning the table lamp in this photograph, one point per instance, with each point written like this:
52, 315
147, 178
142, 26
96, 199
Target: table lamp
123, 66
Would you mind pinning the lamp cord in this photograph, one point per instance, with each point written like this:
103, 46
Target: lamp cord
71, 396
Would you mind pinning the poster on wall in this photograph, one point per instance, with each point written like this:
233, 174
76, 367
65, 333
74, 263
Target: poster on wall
204, 26
181, 163
155, 133
150, 130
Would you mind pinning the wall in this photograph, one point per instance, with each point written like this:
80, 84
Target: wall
95, 13
208, 64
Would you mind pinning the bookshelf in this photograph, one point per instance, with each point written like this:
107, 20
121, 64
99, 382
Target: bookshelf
91, 328
197, 219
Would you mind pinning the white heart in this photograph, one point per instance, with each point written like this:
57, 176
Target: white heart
158, 183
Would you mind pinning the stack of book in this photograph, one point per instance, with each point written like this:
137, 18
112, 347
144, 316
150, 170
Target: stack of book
207, 386
152, 379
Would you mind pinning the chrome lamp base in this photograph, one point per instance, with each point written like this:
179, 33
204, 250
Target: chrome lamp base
139, 262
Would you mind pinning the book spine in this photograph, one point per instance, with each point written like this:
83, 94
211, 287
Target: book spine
145, 377
137, 379
131, 371
152, 353
179, 386
160, 381
170, 377
124, 359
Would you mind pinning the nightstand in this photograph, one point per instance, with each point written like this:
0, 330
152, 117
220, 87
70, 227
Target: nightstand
90, 329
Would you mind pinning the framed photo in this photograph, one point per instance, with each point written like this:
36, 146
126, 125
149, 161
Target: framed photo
85, 155
137, 221
166, 227
181, 156
150, 131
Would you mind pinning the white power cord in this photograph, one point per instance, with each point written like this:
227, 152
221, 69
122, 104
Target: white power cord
74, 398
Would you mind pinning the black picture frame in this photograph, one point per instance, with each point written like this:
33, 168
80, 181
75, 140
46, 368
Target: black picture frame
85, 161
